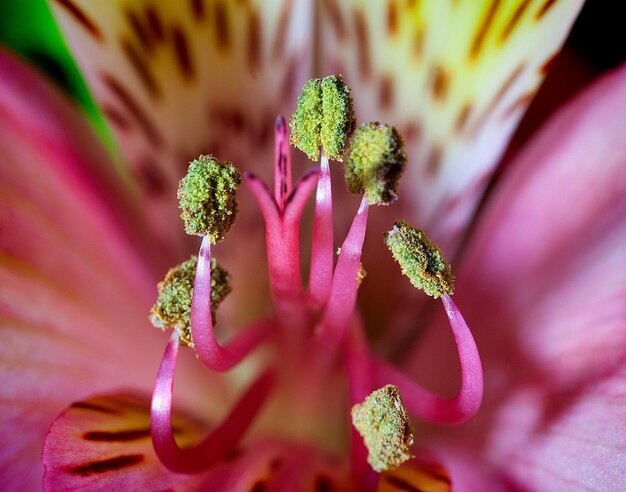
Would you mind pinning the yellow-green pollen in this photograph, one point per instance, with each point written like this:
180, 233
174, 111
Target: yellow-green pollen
384, 425
420, 259
375, 163
208, 197
324, 117
173, 306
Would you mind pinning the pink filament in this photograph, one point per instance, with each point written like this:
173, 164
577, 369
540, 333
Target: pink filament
208, 350
321, 273
344, 288
434, 408
220, 441
282, 163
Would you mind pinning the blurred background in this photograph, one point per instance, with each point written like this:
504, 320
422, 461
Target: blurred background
596, 44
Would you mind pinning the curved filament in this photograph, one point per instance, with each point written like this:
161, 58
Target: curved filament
345, 284
210, 353
222, 440
429, 406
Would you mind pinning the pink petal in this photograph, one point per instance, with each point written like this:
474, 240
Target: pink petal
74, 290
549, 256
570, 441
544, 287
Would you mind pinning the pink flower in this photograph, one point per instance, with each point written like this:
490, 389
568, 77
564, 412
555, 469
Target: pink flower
541, 281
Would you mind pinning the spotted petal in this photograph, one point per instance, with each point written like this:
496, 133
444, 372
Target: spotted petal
454, 76
103, 443
176, 79
74, 293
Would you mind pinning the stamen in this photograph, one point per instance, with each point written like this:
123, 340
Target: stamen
220, 441
324, 117
173, 306
420, 259
375, 163
434, 408
384, 424
208, 200
343, 292
208, 197
321, 272
338, 119
207, 349
306, 121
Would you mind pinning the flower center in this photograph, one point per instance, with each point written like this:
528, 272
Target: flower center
314, 333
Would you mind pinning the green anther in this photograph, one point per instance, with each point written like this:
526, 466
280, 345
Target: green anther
173, 306
324, 117
384, 425
306, 122
338, 119
375, 163
208, 197
420, 259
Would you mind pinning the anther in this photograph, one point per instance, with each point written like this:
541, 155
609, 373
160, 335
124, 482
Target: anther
420, 259
375, 163
324, 117
384, 425
173, 306
208, 197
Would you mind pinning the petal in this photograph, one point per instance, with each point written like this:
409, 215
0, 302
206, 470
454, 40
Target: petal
176, 79
573, 441
103, 443
544, 286
561, 218
549, 256
74, 292
449, 471
455, 77
415, 475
